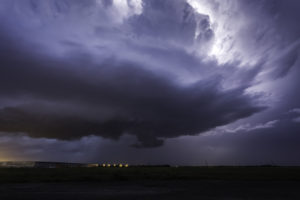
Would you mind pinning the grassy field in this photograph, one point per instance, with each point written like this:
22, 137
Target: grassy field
14, 175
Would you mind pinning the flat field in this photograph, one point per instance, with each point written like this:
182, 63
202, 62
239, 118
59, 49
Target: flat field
151, 183
148, 173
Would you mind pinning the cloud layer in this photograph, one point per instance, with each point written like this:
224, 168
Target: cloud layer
58, 99
151, 69
81, 92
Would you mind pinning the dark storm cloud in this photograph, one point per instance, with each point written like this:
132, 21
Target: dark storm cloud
142, 79
109, 99
143, 103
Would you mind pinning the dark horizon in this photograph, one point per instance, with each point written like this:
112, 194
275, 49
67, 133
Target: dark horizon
205, 164
183, 82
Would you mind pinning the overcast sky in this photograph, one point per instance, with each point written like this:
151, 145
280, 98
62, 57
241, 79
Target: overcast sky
188, 82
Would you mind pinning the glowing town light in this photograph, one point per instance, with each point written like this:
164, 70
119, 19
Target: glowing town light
120, 165
104, 165
108, 165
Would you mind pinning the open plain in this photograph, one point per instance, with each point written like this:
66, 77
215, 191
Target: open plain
151, 183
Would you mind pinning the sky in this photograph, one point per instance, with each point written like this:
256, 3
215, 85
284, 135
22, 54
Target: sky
181, 82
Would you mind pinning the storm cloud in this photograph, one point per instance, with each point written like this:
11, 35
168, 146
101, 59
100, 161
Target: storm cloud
68, 97
66, 101
154, 70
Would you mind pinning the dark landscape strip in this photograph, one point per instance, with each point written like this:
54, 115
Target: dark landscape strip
149, 173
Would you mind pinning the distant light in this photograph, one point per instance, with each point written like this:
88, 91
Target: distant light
114, 165
126, 165
120, 165
103, 165
108, 165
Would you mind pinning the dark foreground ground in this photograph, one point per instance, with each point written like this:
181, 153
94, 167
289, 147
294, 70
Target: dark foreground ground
151, 183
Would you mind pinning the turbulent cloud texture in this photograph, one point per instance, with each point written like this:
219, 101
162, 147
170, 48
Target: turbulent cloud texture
85, 93
151, 69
